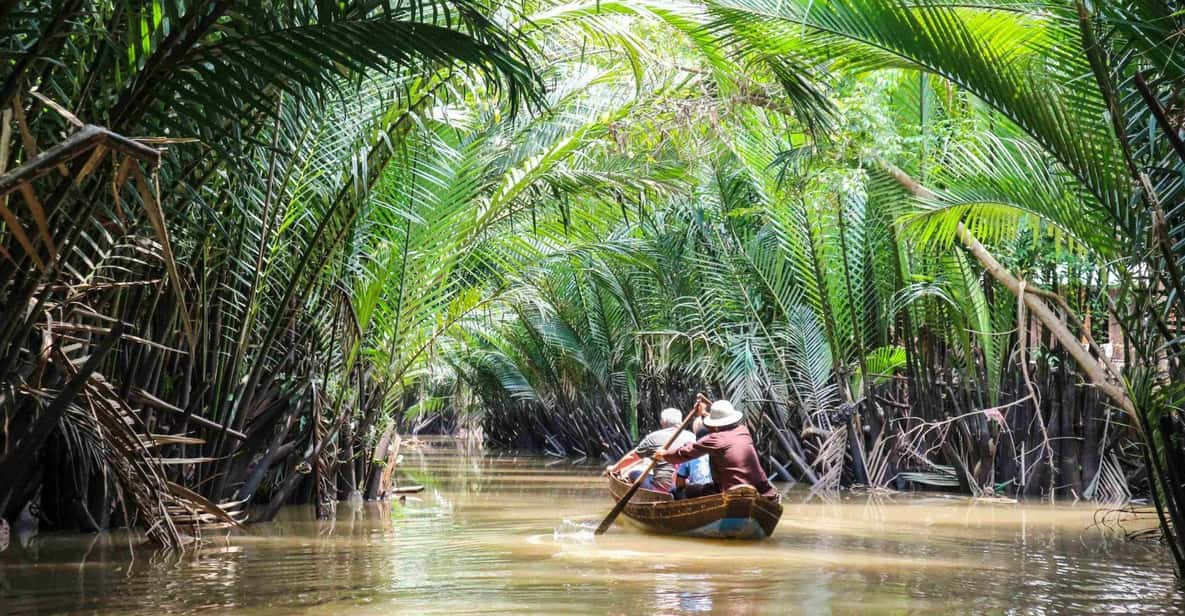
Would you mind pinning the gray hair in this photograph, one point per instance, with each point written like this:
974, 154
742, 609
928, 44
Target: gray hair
670, 418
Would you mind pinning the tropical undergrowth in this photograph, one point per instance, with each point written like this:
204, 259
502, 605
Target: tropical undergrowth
921, 244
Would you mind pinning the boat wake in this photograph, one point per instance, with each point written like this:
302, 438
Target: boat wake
570, 531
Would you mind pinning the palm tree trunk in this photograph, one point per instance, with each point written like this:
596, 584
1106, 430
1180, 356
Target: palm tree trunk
1091, 367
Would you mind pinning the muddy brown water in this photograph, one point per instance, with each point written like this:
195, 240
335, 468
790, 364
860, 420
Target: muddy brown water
510, 534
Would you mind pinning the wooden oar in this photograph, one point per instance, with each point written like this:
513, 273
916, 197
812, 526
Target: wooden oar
608, 521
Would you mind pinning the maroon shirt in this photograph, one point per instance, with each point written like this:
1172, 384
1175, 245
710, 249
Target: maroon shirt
732, 456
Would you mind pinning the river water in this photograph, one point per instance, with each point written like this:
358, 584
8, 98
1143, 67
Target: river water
510, 534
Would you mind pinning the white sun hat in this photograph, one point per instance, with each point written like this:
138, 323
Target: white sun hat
723, 414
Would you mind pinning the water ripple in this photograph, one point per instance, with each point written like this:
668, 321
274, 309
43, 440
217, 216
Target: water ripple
509, 535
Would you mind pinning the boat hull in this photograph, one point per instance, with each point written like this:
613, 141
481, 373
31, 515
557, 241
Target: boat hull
740, 513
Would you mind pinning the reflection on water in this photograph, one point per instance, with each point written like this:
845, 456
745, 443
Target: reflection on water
500, 534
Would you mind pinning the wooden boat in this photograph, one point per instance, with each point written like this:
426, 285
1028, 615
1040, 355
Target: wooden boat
740, 513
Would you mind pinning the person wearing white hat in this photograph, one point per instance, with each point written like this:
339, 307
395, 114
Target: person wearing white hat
730, 451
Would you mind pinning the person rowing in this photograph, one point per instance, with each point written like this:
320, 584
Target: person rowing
731, 454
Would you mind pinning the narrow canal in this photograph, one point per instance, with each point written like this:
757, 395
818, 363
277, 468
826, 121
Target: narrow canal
509, 534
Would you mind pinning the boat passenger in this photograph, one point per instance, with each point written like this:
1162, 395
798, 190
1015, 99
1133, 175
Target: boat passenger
693, 475
663, 478
731, 455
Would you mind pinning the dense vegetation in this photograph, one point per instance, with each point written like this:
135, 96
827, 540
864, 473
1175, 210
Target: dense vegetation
922, 244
